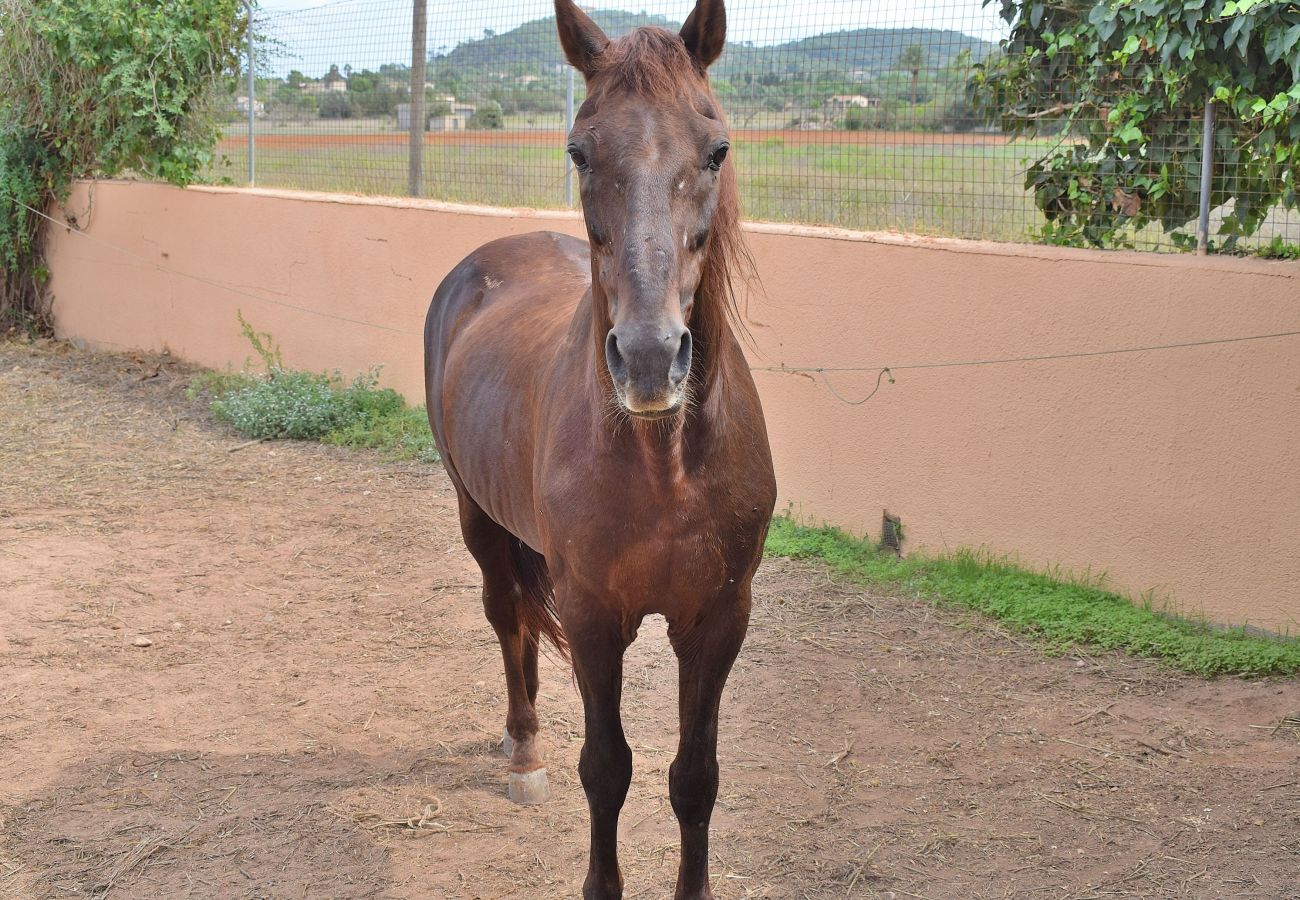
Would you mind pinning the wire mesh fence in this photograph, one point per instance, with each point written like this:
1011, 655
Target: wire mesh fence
841, 112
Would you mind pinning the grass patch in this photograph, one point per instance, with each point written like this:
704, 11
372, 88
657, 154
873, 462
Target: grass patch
1062, 614
308, 406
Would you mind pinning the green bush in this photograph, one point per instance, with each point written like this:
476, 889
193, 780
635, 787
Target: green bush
296, 405
1128, 84
284, 403
855, 119
335, 105
488, 116
99, 87
307, 406
402, 433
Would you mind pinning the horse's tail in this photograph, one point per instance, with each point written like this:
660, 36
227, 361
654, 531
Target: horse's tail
537, 606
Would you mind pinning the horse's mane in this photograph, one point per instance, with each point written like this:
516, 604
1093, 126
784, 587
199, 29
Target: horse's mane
654, 63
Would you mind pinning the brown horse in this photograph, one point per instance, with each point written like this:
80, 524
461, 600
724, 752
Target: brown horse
598, 420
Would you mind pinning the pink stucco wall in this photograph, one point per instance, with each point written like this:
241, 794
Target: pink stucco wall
1173, 471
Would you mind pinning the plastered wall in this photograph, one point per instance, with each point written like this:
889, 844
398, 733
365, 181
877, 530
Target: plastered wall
1174, 471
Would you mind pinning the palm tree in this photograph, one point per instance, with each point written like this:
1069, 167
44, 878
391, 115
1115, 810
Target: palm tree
912, 59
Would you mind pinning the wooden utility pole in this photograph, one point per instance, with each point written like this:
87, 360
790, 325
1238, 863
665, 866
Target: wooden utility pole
419, 54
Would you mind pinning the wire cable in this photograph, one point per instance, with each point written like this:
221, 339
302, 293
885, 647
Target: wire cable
817, 370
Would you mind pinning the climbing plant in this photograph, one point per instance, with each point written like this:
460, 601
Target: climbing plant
1121, 86
98, 87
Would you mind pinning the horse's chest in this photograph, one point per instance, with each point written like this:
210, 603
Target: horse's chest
661, 556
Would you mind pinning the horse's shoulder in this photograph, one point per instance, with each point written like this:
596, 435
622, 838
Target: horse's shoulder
530, 249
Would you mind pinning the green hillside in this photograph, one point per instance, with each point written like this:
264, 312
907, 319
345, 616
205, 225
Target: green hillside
878, 49
533, 47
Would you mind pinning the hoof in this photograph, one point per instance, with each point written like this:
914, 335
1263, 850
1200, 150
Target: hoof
507, 743
529, 788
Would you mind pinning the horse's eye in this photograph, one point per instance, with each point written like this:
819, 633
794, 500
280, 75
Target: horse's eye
579, 159
717, 156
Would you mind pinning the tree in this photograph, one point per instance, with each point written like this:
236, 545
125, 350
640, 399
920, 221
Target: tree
336, 105
488, 115
1129, 83
912, 60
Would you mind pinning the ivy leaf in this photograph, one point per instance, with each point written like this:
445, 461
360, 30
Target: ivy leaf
1143, 70
1130, 133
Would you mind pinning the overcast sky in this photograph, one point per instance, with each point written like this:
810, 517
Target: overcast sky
367, 33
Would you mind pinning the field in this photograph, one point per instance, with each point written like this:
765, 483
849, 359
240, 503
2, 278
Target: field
259, 670
954, 185
968, 185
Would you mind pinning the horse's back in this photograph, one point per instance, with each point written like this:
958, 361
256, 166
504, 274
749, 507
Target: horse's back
538, 269
493, 329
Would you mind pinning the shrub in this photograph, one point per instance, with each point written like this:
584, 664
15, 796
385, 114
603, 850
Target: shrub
296, 405
488, 116
336, 105
99, 87
1129, 82
284, 403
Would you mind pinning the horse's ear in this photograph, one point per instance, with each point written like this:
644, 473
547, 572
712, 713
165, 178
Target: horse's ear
580, 37
705, 31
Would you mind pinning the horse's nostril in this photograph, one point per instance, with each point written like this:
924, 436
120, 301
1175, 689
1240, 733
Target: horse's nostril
614, 358
681, 362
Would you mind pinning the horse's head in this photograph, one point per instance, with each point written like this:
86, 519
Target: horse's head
650, 147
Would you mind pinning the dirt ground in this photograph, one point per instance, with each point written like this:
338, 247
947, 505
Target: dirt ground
317, 708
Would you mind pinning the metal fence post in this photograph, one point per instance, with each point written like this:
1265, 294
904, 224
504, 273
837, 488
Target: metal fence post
419, 54
568, 126
1207, 176
252, 103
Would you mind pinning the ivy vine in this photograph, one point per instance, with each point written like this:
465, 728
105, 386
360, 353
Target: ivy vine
1122, 85
99, 87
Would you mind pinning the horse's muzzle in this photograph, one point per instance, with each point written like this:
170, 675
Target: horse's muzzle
649, 368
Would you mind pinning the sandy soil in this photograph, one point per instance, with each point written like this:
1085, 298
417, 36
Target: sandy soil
317, 709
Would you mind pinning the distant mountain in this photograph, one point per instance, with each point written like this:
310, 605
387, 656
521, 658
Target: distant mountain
878, 49
534, 46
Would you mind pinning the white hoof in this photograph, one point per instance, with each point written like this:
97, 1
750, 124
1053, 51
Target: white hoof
507, 743
529, 788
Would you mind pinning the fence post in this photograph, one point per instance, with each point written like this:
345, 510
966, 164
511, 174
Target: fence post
1207, 176
252, 103
419, 53
568, 126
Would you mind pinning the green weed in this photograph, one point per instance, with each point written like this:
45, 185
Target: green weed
401, 433
307, 406
1279, 249
1061, 614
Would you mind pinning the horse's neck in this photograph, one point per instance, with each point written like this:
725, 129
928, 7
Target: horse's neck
713, 335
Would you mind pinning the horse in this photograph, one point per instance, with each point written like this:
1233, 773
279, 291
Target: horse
598, 420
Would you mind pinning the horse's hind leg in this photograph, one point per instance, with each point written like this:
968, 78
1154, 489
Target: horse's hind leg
490, 544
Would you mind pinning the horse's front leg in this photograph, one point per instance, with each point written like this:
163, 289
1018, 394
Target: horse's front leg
597, 639
705, 652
